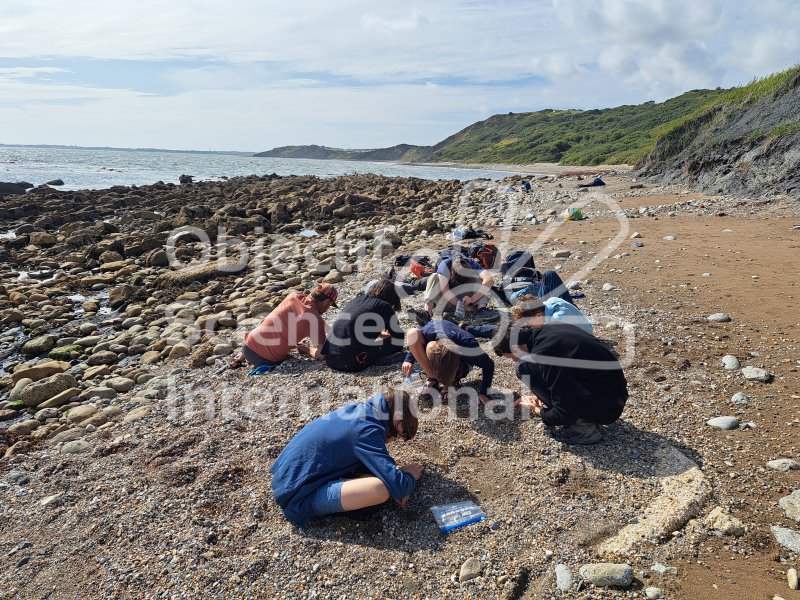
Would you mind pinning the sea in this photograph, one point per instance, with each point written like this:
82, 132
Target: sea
88, 168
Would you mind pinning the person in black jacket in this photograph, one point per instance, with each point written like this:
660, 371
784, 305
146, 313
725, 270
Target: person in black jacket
577, 383
366, 331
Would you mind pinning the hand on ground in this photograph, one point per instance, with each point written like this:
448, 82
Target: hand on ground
531, 403
414, 469
407, 368
483, 398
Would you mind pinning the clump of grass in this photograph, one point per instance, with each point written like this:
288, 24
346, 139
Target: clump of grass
783, 129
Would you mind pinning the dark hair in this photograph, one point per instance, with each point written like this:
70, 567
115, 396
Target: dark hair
385, 290
319, 296
445, 360
512, 335
399, 401
527, 306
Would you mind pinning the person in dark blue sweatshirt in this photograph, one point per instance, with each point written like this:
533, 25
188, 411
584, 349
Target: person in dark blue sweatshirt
447, 353
318, 472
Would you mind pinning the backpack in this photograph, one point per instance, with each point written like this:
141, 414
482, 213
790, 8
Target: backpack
468, 233
422, 267
453, 254
517, 264
484, 253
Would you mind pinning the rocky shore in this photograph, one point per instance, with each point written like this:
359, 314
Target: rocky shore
135, 463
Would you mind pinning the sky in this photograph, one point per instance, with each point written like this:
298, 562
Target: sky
250, 75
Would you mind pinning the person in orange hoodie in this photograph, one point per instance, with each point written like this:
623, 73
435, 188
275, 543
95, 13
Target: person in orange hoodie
298, 317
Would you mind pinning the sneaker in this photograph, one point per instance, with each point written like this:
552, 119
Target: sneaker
422, 317
581, 433
485, 315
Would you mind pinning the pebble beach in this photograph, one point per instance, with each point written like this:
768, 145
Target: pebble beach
136, 462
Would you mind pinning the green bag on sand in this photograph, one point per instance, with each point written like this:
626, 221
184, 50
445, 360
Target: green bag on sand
572, 214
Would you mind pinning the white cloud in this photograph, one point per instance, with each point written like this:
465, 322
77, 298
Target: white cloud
363, 73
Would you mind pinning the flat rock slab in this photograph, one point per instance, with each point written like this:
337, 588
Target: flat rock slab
684, 491
788, 538
756, 374
719, 318
40, 370
783, 464
724, 422
719, 520
791, 505
608, 574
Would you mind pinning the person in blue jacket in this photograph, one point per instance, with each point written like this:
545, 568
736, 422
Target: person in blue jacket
446, 353
318, 472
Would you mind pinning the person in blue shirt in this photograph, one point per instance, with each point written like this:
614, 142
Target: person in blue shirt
459, 278
317, 473
533, 312
446, 353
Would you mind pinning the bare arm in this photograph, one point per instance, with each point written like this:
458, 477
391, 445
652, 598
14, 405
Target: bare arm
416, 345
487, 281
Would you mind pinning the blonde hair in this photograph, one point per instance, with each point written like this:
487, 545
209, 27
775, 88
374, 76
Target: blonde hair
445, 360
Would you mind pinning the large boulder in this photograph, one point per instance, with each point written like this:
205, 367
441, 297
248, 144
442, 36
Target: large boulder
38, 345
39, 391
120, 295
10, 189
39, 370
42, 239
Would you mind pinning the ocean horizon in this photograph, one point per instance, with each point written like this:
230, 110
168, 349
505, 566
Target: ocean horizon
100, 168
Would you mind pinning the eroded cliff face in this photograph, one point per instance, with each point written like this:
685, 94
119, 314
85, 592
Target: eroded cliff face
750, 148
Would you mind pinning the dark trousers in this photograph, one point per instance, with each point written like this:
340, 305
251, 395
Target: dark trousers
256, 359
349, 362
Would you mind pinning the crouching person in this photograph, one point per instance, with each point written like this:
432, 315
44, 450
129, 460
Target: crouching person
576, 382
318, 473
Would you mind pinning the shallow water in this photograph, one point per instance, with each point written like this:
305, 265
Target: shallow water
82, 168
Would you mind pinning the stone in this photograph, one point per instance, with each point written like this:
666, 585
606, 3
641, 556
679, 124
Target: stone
16, 391
664, 569
88, 341
70, 435
39, 370
223, 350
138, 413
608, 287
788, 538
38, 345
81, 413
730, 362
76, 447
150, 357
653, 593
46, 413
469, 570
783, 464
42, 239
333, 276
756, 374
37, 392
120, 295
719, 318
726, 423
180, 350
66, 352
61, 398
562, 254
103, 357
564, 578
8, 413
791, 578
722, 521
635, 235
96, 371
51, 500
98, 392
740, 398
119, 384
608, 574
669, 238
791, 505
24, 427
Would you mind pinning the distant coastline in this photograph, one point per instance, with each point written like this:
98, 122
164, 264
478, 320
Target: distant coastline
106, 148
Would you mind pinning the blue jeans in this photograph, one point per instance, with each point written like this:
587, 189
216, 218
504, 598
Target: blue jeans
327, 500
551, 285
